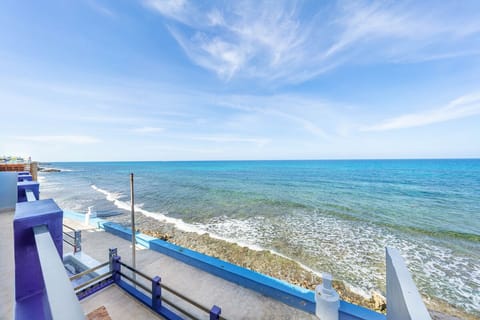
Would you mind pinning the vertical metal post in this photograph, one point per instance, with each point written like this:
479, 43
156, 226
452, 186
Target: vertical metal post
112, 252
156, 293
78, 241
116, 268
215, 312
132, 202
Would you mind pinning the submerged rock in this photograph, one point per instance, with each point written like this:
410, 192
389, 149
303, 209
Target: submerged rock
49, 170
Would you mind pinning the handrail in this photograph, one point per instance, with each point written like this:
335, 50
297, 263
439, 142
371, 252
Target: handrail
136, 282
77, 238
61, 298
68, 235
79, 275
146, 277
68, 227
89, 282
178, 294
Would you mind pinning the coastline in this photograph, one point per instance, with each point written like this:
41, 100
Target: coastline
273, 265
252, 256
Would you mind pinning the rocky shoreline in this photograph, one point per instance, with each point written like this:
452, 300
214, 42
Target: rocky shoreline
272, 264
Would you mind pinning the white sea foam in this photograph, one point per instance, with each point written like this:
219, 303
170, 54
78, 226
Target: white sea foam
180, 224
188, 227
353, 252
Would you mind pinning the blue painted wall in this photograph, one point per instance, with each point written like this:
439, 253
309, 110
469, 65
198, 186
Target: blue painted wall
8, 190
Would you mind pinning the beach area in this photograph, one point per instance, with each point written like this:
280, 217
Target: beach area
259, 215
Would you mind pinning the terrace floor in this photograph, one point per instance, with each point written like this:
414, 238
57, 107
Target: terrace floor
236, 302
7, 275
119, 305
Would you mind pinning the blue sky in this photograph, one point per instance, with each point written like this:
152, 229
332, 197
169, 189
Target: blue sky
200, 80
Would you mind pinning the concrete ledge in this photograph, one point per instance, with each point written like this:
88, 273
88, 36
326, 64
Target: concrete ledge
403, 299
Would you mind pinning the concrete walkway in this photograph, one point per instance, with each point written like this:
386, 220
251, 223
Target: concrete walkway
119, 305
236, 302
7, 273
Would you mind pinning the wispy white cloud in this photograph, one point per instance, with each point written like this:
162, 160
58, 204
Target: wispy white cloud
285, 41
101, 8
462, 107
176, 9
146, 130
233, 139
60, 139
307, 114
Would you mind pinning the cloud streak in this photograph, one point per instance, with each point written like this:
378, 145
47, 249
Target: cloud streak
462, 107
60, 139
147, 130
286, 41
233, 139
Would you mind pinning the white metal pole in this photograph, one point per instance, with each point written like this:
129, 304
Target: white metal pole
132, 201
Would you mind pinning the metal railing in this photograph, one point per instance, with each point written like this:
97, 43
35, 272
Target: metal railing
115, 275
211, 312
156, 288
74, 240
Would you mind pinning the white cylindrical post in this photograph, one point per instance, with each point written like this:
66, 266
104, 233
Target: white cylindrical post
327, 299
132, 202
88, 215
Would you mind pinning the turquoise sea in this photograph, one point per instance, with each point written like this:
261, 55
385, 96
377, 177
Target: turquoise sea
334, 216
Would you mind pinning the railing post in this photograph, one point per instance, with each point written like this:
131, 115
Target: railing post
116, 268
215, 312
327, 300
112, 252
78, 241
156, 293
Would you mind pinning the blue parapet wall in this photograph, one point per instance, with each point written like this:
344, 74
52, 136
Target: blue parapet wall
292, 295
22, 186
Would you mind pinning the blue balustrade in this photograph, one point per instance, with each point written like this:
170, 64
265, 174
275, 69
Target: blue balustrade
23, 186
25, 177
32, 300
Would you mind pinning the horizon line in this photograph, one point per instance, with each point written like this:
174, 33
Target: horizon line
259, 160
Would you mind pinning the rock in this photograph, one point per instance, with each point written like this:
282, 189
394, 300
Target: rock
379, 301
49, 170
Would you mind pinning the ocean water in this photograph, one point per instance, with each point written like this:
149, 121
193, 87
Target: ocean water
334, 216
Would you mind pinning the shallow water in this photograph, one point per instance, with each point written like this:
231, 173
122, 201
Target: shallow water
334, 216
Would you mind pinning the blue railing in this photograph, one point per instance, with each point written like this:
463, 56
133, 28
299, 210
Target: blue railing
149, 294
